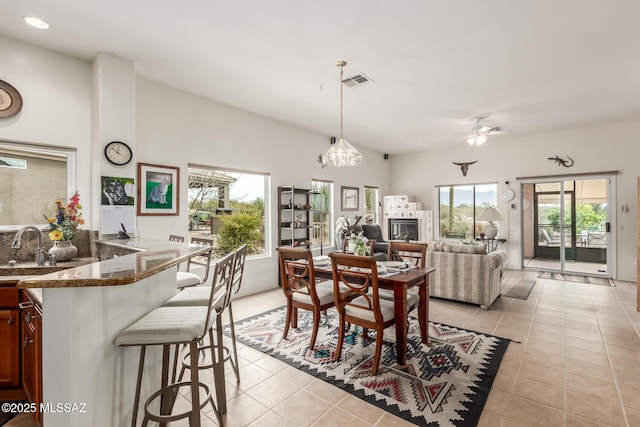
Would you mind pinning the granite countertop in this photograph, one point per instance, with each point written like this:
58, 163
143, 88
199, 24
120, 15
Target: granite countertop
148, 257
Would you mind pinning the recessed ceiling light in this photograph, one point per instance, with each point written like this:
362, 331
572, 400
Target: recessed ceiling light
36, 22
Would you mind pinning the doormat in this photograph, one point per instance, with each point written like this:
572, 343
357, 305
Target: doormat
520, 290
605, 281
444, 384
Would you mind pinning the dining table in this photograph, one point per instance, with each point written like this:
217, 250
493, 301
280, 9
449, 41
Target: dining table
399, 282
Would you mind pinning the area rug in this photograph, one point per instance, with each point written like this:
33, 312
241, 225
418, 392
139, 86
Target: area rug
575, 278
520, 290
444, 384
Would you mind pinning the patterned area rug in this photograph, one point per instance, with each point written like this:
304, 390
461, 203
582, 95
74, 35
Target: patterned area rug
575, 278
446, 384
520, 290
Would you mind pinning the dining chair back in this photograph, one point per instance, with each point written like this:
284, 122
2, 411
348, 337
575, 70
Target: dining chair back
176, 238
355, 286
411, 253
301, 290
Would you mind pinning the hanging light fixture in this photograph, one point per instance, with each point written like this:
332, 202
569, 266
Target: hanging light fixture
341, 153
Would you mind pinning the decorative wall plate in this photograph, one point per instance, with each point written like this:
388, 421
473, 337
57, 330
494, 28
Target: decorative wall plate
507, 195
10, 100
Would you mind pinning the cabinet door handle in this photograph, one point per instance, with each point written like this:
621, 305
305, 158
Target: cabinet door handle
24, 305
28, 318
26, 342
11, 321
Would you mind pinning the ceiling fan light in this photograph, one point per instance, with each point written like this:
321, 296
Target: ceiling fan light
481, 139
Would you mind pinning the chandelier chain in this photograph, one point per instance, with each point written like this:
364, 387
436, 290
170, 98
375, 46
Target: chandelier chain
341, 64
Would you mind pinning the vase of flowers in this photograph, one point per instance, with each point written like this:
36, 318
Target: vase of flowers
358, 244
64, 226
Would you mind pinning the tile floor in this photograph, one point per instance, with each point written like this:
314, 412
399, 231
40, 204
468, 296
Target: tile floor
578, 364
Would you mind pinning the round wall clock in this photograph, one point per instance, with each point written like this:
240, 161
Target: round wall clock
507, 195
10, 100
118, 153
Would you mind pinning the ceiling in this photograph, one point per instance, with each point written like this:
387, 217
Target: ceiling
528, 66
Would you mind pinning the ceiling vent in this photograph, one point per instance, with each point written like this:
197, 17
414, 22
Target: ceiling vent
357, 80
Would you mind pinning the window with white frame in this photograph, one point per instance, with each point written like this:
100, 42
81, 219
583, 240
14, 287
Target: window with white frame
228, 206
322, 213
461, 205
371, 198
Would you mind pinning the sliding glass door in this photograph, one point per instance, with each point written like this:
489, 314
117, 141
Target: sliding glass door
566, 225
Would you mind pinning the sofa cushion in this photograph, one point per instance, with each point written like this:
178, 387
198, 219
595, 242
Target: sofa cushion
436, 245
466, 249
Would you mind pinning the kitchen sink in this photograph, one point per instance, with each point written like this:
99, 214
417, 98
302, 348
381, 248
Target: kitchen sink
31, 269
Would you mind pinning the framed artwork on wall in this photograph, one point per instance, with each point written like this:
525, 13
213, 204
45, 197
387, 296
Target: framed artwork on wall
158, 189
350, 197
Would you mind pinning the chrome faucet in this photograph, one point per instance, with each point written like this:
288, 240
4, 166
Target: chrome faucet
17, 243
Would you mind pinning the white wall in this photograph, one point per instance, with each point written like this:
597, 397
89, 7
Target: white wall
56, 94
612, 147
175, 128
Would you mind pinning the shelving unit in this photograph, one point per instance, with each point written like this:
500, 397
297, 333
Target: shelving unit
295, 215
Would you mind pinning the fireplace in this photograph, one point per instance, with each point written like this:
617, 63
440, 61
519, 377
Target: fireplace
403, 229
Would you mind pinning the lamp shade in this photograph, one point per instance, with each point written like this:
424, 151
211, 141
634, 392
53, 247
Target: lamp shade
490, 214
343, 154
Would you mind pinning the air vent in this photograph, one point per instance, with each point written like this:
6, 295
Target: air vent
357, 80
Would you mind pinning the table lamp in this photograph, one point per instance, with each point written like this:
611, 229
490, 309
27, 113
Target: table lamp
490, 215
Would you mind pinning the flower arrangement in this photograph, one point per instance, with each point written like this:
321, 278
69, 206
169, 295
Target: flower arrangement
358, 244
64, 224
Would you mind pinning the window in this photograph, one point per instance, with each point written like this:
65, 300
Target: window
228, 206
44, 173
460, 205
322, 213
371, 205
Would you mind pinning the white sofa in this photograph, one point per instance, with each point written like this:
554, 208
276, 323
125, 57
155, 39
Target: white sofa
465, 272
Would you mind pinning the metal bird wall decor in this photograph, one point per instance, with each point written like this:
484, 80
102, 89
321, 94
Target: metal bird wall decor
464, 167
562, 162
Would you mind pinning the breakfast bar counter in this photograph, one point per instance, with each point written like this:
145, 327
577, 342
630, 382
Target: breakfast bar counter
83, 310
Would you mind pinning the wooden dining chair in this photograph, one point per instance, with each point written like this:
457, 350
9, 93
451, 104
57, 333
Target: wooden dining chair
413, 254
301, 290
355, 287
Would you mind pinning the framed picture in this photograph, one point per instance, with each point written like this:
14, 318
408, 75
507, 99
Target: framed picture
158, 189
350, 198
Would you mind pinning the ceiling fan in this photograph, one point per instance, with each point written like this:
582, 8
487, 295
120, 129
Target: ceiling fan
479, 134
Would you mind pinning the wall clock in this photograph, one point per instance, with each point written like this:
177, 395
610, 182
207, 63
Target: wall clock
10, 100
507, 195
118, 153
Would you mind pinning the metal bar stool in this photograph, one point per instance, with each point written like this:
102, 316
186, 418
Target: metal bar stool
196, 296
187, 278
175, 325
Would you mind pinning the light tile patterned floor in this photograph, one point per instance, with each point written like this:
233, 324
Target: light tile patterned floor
578, 364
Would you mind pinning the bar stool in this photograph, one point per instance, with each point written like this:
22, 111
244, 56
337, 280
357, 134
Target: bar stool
197, 296
186, 279
191, 298
168, 326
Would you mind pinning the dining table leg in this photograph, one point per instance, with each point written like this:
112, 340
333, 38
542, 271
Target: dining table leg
423, 311
401, 316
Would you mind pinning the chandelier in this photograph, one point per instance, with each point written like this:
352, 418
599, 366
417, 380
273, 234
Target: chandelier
341, 153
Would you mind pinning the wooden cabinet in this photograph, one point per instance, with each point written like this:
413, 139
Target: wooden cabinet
9, 336
31, 342
295, 217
